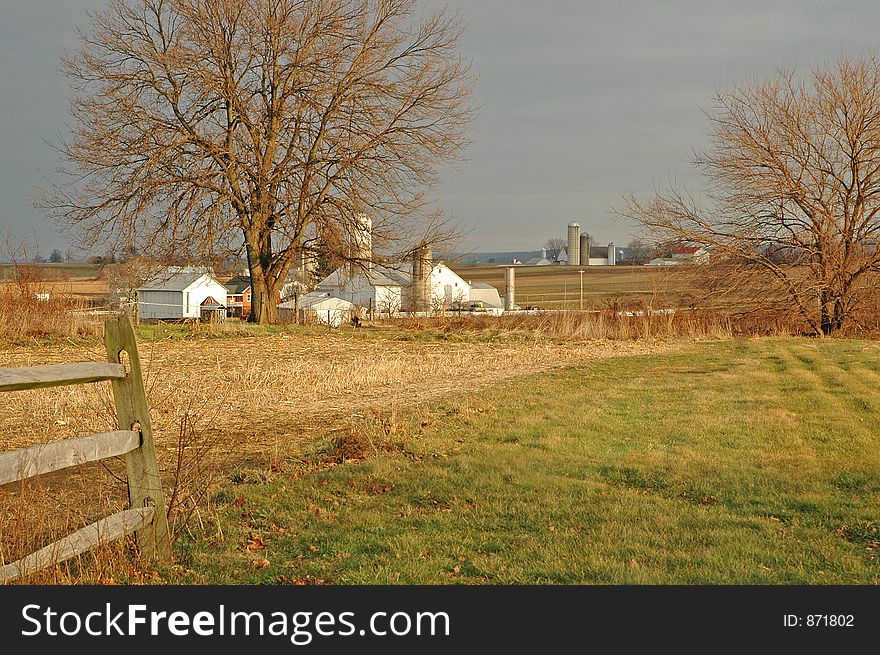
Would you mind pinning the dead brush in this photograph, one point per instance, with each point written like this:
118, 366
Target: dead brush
31, 307
634, 322
194, 475
42, 510
367, 436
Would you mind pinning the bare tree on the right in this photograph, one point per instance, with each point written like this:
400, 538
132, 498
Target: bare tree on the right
793, 197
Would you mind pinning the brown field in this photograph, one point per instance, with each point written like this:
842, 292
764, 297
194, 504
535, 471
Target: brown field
77, 281
558, 287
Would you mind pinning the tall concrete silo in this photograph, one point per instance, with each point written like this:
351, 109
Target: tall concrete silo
612, 255
509, 289
585, 249
574, 244
362, 246
421, 279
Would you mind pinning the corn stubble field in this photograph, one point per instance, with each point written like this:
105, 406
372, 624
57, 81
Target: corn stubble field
556, 448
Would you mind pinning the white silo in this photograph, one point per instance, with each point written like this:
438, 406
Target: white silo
612, 255
574, 244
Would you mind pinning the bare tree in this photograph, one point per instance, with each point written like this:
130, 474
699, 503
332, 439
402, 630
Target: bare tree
266, 126
555, 246
639, 252
793, 195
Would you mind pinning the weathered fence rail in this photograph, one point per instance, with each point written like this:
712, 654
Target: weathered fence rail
146, 517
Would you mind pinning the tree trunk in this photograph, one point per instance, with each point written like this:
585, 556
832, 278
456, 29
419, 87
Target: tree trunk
266, 283
832, 313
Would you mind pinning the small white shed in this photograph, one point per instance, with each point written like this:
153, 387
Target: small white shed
179, 292
318, 307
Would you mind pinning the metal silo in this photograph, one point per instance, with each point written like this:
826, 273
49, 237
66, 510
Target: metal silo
612, 255
585, 249
574, 244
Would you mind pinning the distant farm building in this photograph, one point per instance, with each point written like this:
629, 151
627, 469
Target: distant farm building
317, 307
541, 260
692, 254
180, 292
581, 251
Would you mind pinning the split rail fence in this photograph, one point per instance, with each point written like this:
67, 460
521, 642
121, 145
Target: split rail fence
146, 516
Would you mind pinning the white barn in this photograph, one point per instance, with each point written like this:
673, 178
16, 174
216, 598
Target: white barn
379, 289
388, 290
179, 292
447, 287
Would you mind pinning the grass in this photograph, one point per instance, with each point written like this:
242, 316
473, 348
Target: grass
742, 462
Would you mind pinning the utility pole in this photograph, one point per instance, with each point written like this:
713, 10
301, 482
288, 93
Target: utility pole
582, 288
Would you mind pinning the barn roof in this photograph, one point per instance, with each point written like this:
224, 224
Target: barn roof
378, 276
318, 299
176, 278
238, 285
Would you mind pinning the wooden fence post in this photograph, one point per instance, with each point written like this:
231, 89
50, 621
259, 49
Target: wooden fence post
132, 410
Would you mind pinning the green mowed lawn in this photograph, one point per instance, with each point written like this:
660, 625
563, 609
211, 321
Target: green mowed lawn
742, 462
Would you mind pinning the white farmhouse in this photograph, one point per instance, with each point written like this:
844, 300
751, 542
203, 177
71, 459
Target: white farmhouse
179, 292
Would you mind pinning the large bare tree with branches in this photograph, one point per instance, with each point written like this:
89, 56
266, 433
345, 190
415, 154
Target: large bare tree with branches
791, 208
263, 125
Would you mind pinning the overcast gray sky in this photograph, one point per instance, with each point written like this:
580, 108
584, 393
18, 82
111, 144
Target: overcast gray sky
582, 101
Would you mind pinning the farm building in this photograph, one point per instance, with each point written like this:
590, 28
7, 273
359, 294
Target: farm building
180, 292
389, 290
239, 292
318, 307
238, 296
542, 260
485, 297
379, 288
447, 288
693, 254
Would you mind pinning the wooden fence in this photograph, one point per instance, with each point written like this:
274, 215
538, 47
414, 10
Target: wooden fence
146, 516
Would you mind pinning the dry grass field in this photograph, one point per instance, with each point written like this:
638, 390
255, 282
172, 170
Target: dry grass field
223, 405
265, 394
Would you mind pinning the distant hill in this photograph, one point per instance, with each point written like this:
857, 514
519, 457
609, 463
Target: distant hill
491, 257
